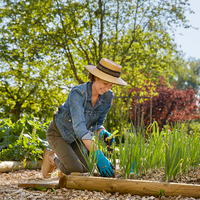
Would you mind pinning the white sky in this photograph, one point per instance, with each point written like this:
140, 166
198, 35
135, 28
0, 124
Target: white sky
189, 41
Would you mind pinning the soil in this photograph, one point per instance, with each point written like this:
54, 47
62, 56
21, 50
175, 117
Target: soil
9, 186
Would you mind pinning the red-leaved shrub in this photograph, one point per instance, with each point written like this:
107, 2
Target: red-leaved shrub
169, 106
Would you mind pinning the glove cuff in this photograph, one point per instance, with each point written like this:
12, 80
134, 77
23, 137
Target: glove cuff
97, 154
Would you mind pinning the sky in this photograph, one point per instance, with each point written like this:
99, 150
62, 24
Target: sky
189, 40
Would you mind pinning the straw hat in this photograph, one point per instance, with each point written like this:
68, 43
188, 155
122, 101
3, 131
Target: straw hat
107, 70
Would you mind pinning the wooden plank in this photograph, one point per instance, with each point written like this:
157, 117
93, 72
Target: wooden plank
134, 187
48, 183
6, 166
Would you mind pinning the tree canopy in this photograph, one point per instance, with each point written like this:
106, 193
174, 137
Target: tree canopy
45, 45
188, 75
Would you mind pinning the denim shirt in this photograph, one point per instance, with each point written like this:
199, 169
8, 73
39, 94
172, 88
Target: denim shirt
77, 118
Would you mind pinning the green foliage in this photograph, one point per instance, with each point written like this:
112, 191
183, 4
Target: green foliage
10, 132
126, 152
24, 149
39, 69
174, 150
182, 152
23, 140
161, 193
188, 75
192, 126
88, 156
6, 137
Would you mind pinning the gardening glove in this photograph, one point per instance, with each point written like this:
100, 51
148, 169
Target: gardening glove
132, 168
106, 137
104, 165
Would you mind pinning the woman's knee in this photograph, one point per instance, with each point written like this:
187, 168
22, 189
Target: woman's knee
75, 168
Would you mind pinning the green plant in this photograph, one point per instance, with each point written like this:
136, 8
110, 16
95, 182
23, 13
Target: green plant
26, 147
176, 152
10, 132
161, 193
154, 152
88, 156
23, 149
126, 152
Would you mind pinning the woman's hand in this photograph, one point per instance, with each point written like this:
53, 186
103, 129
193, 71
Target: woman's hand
104, 165
107, 137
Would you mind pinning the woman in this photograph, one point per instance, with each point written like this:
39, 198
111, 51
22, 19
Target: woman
82, 114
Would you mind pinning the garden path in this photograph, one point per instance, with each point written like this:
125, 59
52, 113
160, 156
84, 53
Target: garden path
9, 188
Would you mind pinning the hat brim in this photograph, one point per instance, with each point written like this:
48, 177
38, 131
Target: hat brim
106, 77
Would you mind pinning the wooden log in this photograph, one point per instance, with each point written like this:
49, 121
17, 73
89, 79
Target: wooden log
48, 183
6, 166
134, 187
51, 183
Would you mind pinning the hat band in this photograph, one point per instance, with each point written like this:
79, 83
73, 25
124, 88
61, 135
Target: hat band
108, 71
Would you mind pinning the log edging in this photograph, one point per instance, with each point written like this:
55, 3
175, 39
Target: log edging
7, 166
134, 187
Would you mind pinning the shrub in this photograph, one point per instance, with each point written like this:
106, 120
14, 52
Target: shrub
170, 105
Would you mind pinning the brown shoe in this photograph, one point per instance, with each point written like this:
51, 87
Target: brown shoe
47, 167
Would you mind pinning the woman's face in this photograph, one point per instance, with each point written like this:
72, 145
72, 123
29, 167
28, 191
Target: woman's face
100, 86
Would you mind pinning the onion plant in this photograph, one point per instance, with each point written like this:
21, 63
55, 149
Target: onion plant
194, 141
126, 149
177, 152
154, 149
88, 156
174, 150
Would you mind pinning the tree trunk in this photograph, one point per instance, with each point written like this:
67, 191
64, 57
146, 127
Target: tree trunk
17, 111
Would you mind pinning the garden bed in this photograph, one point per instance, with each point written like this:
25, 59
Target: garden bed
9, 186
149, 184
129, 186
187, 184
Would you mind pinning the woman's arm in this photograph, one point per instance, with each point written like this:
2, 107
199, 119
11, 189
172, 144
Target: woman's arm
88, 143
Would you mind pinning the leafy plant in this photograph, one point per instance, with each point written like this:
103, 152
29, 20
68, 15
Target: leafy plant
181, 151
170, 105
24, 149
154, 152
20, 141
10, 132
161, 193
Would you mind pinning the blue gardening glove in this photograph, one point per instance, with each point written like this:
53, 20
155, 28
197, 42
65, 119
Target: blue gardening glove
132, 168
106, 135
104, 165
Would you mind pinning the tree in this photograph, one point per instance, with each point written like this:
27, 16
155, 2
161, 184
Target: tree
28, 81
82, 32
188, 75
60, 37
168, 106
28, 90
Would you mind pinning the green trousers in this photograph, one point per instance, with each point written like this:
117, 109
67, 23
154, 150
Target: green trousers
69, 157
